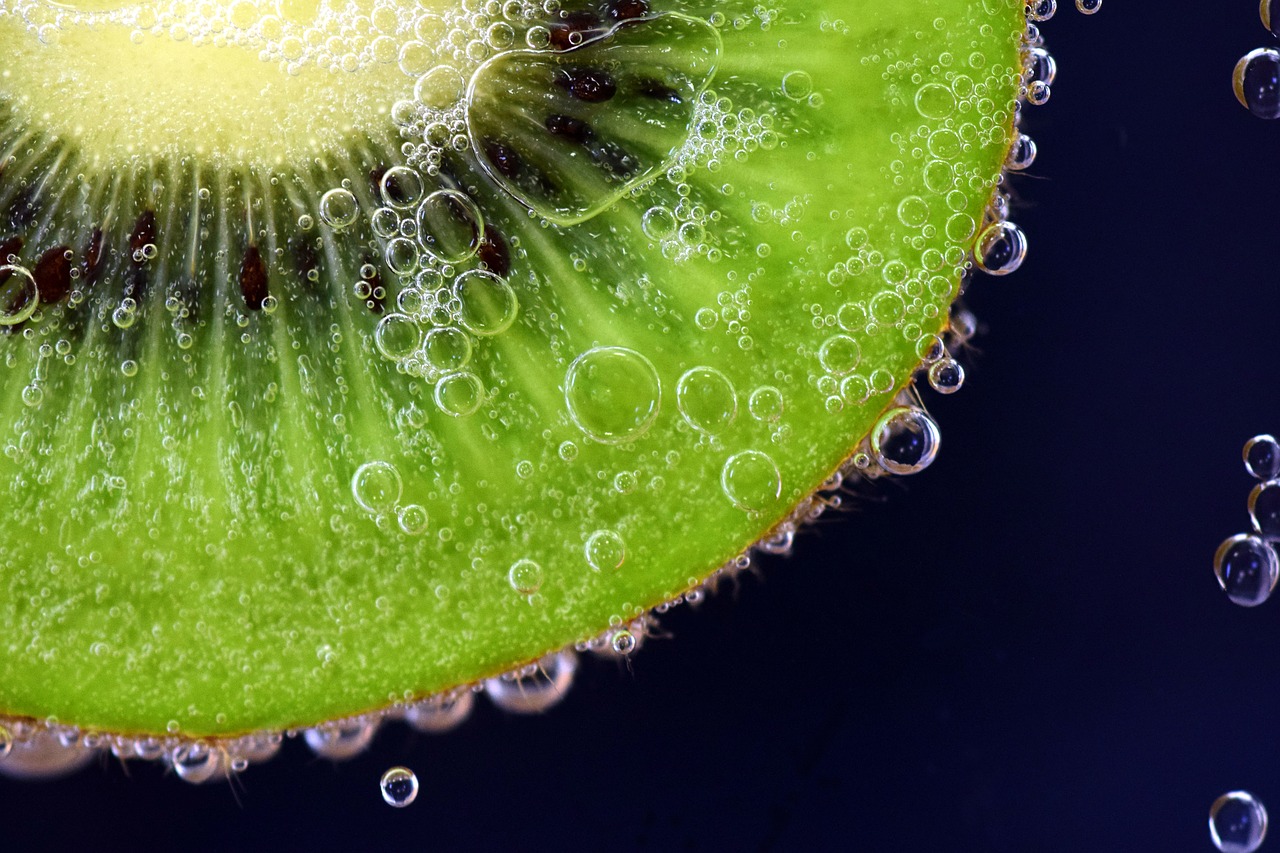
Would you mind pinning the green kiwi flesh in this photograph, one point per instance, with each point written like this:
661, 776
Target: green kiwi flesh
685, 254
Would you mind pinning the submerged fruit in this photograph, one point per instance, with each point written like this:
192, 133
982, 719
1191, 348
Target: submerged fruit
358, 352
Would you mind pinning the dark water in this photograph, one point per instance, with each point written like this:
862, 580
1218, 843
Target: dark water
1022, 649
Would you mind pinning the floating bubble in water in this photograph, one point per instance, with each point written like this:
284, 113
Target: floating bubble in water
399, 787
751, 480
440, 713
1267, 9
339, 208
195, 762
1237, 822
440, 87
1000, 249
839, 354
412, 518
401, 187
525, 576
946, 376
459, 394
1091, 7
341, 740
450, 226
397, 336
623, 642
1264, 509
535, 691
605, 550
376, 486
905, 440
933, 100
1262, 457
1021, 154
766, 404
1247, 569
706, 400
1041, 67
488, 304
612, 393
1256, 82
447, 349
1042, 10
18, 294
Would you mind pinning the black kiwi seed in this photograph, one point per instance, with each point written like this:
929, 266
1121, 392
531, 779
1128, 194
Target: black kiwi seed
572, 129
503, 158
625, 10
592, 85
53, 275
658, 91
253, 278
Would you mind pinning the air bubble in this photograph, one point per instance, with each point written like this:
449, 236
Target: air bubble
605, 551
450, 226
1237, 822
412, 519
376, 486
401, 187
399, 787
339, 208
623, 642
797, 85
487, 303
533, 692
525, 576
935, 101
1000, 249
1088, 7
440, 713
766, 404
946, 376
1262, 457
613, 394
195, 762
397, 336
839, 355
439, 88
1021, 154
905, 440
1246, 568
341, 740
459, 394
18, 294
1264, 509
751, 480
706, 399
1256, 82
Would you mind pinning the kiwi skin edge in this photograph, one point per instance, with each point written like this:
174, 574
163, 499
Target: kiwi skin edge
522, 638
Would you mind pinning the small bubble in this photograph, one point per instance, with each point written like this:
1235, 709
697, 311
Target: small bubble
605, 550
623, 642
946, 376
339, 208
706, 400
797, 85
1264, 509
1262, 457
1000, 249
1088, 7
399, 787
1256, 82
525, 576
487, 303
1247, 569
613, 394
19, 296
766, 404
376, 486
751, 480
905, 441
397, 336
1237, 822
412, 519
459, 394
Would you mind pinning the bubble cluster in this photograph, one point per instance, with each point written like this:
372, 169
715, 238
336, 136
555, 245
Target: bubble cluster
1246, 564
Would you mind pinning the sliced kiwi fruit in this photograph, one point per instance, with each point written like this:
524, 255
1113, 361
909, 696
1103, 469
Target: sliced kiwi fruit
355, 353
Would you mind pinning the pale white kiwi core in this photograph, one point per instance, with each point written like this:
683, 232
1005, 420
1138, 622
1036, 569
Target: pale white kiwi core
253, 82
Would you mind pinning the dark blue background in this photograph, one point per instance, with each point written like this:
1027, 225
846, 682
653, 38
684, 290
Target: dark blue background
1022, 649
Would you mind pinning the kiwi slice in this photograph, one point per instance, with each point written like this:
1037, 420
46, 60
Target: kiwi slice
359, 352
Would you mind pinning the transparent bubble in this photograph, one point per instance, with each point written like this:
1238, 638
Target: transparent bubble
397, 336
1021, 154
905, 440
935, 101
459, 394
751, 480
376, 486
401, 187
1247, 568
1237, 822
766, 404
525, 576
487, 303
339, 208
1264, 509
18, 294
450, 226
797, 85
441, 87
341, 740
413, 519
1000, 249
1262, 457
195, 762
613, 394
839, 354
706, 400
1256, 82
399, 787
440, 713
536, 691
946, 376
605, 550
623, 642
